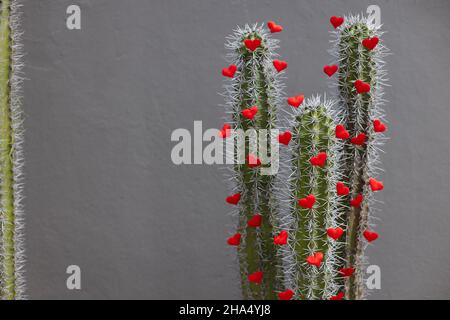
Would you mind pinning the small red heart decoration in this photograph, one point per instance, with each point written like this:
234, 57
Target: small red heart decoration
230, 71
361, 86
336, 21
315, 259
255, 221
234, 199
375, 185
339, 296
253, 161
378, 126
286, 295
280, 65
252, 44
256, 277
234, 240
307, 202
250, 113
341, 189
370, 43
356, 201
281, 238
347, 272
335, 233
330, 70
341, 133
296, 101
225, 132
285, 137
319, 160
359, 139
274, 27
370, 235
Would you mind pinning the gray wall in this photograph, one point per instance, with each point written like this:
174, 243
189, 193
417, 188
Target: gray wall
102, 102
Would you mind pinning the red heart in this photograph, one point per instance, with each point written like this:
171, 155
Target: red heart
255, 221
330, 70
339, 296
370, 43
359, 139
252, 44
370, 235
296, 101
250, 113
375, 185
378, 126
234, 199
307, 202
285, 138
341, 133
256, 277
281, 239
361, 86
253, 161
274, 27
319, 160
234, 240
286, 295
356, 201
341, 189
280, 65
347, 272
336, 21
225, 132
315, 259
230, 71
335, 233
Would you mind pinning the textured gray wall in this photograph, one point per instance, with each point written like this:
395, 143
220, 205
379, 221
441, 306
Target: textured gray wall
102, 102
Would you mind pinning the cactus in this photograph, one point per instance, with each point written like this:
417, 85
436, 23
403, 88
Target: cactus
11, 277
252, 95
360, 78
313, 176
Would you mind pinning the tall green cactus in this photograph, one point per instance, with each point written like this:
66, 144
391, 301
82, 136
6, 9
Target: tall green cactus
360, 79
252, 94
10, 153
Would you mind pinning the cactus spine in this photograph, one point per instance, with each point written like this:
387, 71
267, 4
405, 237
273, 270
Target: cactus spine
10, 153
254, 84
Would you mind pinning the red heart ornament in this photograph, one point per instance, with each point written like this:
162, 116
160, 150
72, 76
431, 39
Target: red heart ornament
225, 132
252, 44
335, 233
234, 199
378, 126
375, 185
361, 86
253, 161
307, 202
339, 296
336, 21
286, 295
281, 238
347, 272
274, 27
359, 139
341, 133
255, 221
280, 65
285, 137
370, 235
230, 71
256, 277
356, 201
250, 113
341, 189
370, 43
234, 240
330, 70
315, 259
296, 101
319, 160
